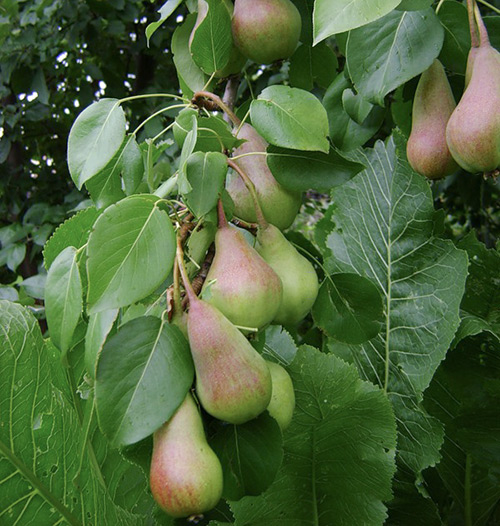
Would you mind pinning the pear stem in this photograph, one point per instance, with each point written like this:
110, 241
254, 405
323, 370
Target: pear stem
218, 102
221, 215
191, 294
261, 220
474, 39
177, 288
483, 32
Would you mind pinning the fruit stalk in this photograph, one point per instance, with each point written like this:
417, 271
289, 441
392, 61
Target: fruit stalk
198, 100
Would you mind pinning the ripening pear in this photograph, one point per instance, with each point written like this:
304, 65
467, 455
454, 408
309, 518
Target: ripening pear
266, 30
280, 206
473, 131
299, 279
433, 104
236, 59
282, 402
240, 283
186, 475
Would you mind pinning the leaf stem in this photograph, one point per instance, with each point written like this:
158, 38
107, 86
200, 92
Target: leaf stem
474, 40
153, 95
441, 2
191, 294
490, 6
236, 157
156, 113
166, 188
218, 101
165, 130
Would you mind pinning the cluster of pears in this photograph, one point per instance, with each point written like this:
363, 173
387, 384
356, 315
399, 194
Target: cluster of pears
247, 288
263, 31
445, 135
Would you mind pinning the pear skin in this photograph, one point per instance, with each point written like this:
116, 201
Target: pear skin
240, 283
186, 475
282, 402
299, 279
280, 206
473, 131
266, 30
233, 382
433, 104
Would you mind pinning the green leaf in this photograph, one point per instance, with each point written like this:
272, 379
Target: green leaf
291, 118
456, 45
94, 139
73, 232
206, 173
383, 230
356, 106
335, 16
250, 454
414, 5
302, 171
392, 50
279, 345
130, 253
345, 132
143, 374
349, 308
310, 65
342, 438
99, 327
63, 298
41, 458
165, 11
212, 41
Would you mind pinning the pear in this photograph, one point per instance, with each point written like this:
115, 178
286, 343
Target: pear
282, 402
266, 30
186, 475
240, 283
473, 131
280, 206
236, 59
433, 104
299, 279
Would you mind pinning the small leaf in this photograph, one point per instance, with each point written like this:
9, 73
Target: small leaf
94, 139
291, 118
349, 308
165, 11
99, 327
356, 106
63, 298
132, 166
302, 171
143, 374
130, 253
206, 173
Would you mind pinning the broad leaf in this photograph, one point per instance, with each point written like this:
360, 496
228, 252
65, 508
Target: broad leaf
392, 50
94, 139
130, 253
63, 298
250, 454
46, 477
383, 230
456, 45
165, 11
302, 171
279, 345
313, 65
290, 118
342, 438
143, 374
99, 327
337, 16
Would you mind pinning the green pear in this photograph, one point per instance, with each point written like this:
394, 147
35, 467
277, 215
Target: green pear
240, 283
433, 104
299, 279
473, 131
282, 402
186, 475
266, 30
236, 59
280, 206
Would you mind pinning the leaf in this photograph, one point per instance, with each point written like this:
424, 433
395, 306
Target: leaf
212, 40
130, 253
345, 132
73, 232
250, 455
414, 5
336, 16
165, 11
302, 171
392, 50
99, 327
183, 184
342, 438
39, 437
133, 165
206, 173
143, 374
94, 139
383, 231
310, 65
63, 298
356, 106
279, 345
290, 118
349, 308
